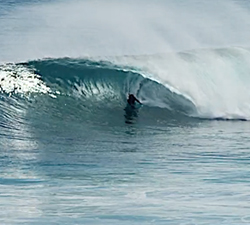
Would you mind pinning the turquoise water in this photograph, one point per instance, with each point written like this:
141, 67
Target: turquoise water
70, 150
193, 173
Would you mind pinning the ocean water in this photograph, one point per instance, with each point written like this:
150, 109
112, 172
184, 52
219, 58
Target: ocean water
72, 152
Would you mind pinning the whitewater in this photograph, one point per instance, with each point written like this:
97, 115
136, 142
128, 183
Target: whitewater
73, 152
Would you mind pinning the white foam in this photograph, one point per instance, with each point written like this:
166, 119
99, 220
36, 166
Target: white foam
216, 81
21, 80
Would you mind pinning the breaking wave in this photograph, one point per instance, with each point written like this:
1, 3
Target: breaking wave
171, 87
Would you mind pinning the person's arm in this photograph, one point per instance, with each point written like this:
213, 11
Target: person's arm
138, 101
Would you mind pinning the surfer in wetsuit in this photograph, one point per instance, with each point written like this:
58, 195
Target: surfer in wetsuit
131, 111
132, 99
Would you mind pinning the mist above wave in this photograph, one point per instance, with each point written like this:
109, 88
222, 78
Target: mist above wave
34, 30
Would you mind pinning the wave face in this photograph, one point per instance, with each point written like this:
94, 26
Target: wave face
81, 90
208, 84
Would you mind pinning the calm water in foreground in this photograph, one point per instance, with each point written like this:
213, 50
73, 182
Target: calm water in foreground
191, 173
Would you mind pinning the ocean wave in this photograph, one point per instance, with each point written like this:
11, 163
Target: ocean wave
187, 84
85, 90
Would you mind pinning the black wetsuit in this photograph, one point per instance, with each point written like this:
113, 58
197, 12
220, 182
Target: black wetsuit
131, 100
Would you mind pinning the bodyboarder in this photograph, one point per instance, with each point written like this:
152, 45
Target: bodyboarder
132, 99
